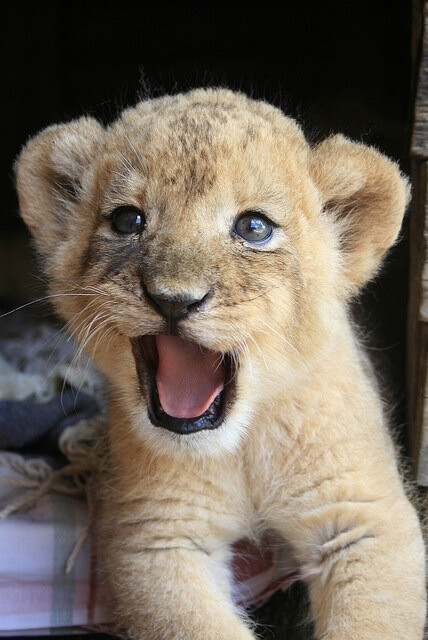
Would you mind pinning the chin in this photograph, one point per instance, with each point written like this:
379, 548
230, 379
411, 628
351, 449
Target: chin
225, 440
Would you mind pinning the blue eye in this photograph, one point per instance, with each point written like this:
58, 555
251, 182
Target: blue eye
253, 227
127, 220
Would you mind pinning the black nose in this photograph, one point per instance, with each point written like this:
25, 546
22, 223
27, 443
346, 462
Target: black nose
175, 308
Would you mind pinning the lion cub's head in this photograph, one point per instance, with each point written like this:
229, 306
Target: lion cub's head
204, 253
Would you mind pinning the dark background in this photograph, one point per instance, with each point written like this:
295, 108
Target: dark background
335, 66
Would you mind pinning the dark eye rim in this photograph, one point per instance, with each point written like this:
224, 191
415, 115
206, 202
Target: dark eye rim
254, 213
123, 209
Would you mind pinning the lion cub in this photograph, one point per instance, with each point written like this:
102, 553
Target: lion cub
205, 255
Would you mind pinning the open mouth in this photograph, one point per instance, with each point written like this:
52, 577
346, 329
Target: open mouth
188, 388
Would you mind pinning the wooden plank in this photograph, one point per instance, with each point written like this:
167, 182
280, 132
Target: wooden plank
421, 242
421, 406
417, 327
419, 145
417, 381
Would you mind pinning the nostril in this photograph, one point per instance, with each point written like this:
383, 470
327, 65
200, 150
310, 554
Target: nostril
199, 303
177, 306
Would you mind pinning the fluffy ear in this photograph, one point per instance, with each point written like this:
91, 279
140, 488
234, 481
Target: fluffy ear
367, 195
50, 175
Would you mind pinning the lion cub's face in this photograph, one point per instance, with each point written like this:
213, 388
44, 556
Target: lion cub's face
203, 253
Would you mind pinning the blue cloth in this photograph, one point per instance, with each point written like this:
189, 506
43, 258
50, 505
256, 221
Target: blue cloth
27, 426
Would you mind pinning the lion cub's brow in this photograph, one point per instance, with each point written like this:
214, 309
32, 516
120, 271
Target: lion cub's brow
185, 152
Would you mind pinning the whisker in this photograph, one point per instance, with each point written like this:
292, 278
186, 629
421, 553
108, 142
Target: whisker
43, 299
259, 350
281, 337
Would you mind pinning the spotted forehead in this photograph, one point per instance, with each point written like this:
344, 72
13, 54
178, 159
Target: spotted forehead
182, 147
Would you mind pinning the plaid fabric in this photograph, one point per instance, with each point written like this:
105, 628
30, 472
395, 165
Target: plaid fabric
38, 597
35, 591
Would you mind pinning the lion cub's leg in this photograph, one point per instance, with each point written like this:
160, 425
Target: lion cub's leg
370, 582
359, 544
165, 530
169, 593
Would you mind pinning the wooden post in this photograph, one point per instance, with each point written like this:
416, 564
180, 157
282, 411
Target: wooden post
418, 287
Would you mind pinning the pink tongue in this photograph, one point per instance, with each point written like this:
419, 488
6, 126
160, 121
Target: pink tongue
188, 378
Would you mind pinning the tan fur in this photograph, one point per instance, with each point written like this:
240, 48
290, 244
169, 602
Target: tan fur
305, 450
